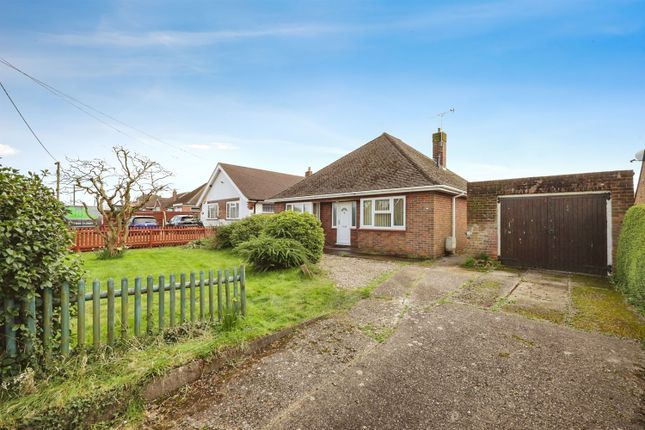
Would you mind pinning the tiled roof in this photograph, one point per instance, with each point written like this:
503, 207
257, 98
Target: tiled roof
258, 184
190, 197
384, 163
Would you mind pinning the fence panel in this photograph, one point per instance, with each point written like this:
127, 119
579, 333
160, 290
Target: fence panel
88, 239
155, 310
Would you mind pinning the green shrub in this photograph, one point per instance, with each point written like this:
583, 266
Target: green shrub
304, 228
629, 270
481, 262
223, 237
34, 254
247, 229
269, 253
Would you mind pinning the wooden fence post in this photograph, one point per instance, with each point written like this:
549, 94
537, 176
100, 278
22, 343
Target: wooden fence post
29, 310
243, 289
137, 306
202, 296
96, 313
64, 319
219, 294
192, 296
110, 311
211, 298
236, 305
80, 315
172, 300
162, 295
9, 333
149, 298
47, 322
228, 292
182, 298
124, 308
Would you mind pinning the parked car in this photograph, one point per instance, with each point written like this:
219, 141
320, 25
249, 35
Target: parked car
143, 222
184, 220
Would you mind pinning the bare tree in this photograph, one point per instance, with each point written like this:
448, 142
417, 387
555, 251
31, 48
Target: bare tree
113, 190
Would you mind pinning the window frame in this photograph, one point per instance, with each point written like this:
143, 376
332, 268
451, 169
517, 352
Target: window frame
334, 214
233, 203
264, 205
208, 208
305, 207
374, 212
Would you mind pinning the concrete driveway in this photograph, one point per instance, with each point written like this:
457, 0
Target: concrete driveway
431, 348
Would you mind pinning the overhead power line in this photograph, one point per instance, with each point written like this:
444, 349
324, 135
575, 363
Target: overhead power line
88, 110
27, 123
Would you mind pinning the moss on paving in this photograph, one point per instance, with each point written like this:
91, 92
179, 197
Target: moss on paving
536, 312
376, 332
275, 300
604, 310
480, 293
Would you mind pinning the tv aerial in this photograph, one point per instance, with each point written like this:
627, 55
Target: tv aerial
640, 156
442, 114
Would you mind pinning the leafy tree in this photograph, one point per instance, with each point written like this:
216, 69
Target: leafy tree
34, 254
114, 188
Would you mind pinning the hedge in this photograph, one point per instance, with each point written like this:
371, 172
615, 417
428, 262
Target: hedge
629, 275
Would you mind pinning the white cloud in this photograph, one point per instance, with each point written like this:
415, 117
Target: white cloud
179, 38
6, 150
199, 146
225, 146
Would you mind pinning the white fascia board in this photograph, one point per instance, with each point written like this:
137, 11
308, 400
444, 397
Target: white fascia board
443, 188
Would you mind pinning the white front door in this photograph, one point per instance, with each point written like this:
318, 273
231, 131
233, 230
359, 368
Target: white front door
344, 223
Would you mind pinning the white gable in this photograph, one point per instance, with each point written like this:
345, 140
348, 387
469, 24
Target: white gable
220, 187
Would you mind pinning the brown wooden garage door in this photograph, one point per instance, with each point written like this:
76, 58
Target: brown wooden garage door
567, 232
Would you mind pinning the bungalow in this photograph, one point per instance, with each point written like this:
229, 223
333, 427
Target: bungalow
386, 197
235, 192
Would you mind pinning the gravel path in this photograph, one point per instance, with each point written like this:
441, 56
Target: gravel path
351, 272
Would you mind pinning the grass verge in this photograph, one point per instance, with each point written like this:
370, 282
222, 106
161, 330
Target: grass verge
80, 387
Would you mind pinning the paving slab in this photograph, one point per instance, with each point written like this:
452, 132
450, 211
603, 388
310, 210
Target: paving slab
437, 282
461, 367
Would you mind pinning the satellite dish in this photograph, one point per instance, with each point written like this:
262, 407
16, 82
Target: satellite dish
640, 155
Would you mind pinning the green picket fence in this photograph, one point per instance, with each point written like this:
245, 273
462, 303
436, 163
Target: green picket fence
167, 304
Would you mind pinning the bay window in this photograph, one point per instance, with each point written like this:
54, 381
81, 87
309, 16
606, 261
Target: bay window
383, 213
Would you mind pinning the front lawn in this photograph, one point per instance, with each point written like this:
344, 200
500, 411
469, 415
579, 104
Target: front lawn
275, 300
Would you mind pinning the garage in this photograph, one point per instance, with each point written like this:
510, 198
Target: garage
560, 222
558, 231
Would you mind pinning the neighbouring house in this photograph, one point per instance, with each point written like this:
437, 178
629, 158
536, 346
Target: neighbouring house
387, 198
186, 202
235, 192
565, 222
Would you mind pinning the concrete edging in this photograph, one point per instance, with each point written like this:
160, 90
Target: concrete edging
174, 379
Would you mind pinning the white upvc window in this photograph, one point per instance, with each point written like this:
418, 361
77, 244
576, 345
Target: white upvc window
386, 213
317, 210
232, 210
300, 207
334, 215
213, 211
267, 208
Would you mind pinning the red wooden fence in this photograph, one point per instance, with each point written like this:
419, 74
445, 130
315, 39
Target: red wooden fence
87, 239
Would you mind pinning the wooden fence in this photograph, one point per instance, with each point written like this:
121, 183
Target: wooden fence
210, 298
87, 239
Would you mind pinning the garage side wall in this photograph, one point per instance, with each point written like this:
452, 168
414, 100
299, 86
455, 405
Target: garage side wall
482, 201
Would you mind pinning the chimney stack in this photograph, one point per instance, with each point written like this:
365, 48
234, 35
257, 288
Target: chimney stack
308, 173
174, 195
439, 140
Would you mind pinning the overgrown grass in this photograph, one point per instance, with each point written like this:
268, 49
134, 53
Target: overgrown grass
605, 310
275, 300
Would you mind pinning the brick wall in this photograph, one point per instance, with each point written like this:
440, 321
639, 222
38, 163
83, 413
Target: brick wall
482, 201
428, 223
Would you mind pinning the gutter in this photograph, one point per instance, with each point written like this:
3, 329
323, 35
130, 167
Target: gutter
443, 188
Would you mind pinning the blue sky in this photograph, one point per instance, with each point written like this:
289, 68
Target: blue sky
538, 87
